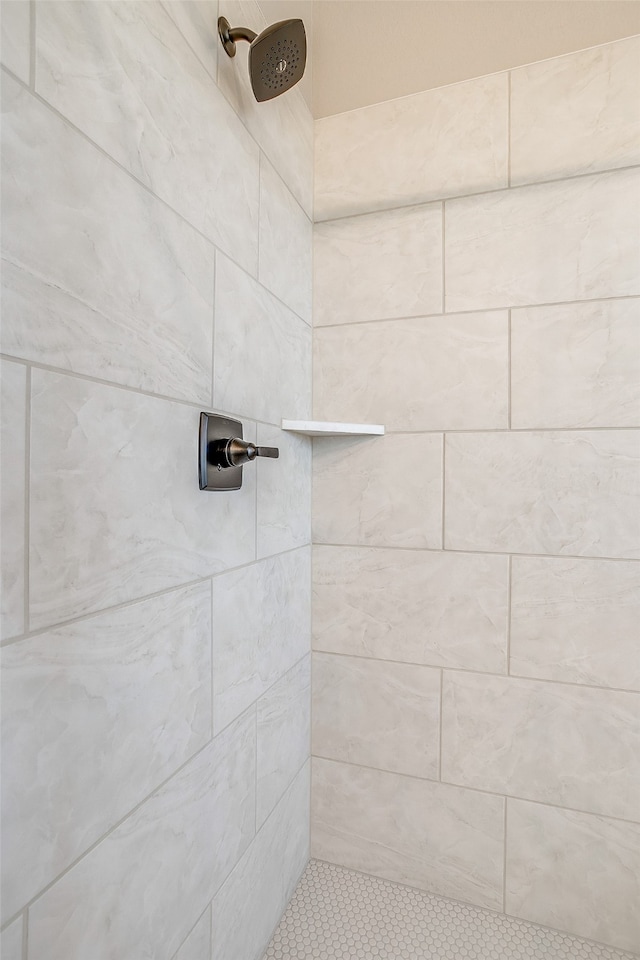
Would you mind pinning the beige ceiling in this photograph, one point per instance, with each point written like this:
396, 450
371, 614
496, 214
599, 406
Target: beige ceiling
366, 51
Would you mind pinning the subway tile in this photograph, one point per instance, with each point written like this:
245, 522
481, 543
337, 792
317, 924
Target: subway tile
144, 885
555, 743
543, 244
382, 492
116, 512
564, 493
284, 730
377, 714
75, 724
15, 44
100, 278
434, 373
576, 620
13, 386
253, 650
427, 835
286, 240
576, 114
197, 21
442, 609
576, 365
284, 492
378, 266
262, 362
197, 946
283, 126
407, 150
124, 74
574, 872
11, 938
248, 907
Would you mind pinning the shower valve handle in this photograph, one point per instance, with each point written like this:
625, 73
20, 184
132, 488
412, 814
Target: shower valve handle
235, 452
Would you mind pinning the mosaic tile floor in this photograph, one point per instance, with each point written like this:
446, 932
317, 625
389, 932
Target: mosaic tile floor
337, 914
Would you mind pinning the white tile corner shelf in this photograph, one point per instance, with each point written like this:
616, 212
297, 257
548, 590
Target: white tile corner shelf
327, 428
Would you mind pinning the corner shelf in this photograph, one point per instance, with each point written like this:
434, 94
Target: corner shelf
324, 428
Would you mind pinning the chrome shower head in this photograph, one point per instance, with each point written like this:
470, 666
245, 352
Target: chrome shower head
277, 56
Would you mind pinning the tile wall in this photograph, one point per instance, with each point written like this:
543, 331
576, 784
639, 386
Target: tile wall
476, 694
156, 639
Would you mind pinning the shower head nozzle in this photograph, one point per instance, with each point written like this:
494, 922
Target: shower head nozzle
277, 56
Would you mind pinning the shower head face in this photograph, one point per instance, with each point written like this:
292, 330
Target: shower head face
277, 59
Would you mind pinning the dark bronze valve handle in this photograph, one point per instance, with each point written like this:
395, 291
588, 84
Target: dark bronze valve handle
235, 452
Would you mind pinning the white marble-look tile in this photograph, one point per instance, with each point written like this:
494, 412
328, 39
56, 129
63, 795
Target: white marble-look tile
248, 907
434, 373
576, 114
576, 620
99, 276
438, 143
544, 243
121, 699
15, 23
197, 21
441, 609
145, 884
428, 835
11, 938
284, 492
283, 126
262, 357
284, 731
377, 714
575, 872
197, 946
116, 512
563, 493
378, 266
286, 244
576, 365
123, 73
384, 492
13, 405
555, 743
255, 649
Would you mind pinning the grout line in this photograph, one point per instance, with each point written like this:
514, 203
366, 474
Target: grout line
473, 553
509, 369
208, 907
504, 859
440, 725
25, 935
509, 589
444, 299
213, 328
211, 671
509, 128
27, 498
32, 45
444, 487
255, 768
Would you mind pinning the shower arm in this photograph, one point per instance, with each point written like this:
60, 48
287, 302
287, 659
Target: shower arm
229, 35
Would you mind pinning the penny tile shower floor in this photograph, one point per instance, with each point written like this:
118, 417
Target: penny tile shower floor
336, 914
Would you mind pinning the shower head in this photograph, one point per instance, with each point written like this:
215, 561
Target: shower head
277, 56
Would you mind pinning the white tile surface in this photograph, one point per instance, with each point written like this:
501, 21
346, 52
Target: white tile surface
576, 365
116, 512
197, 21
249, 905
378, 266
13, 386
427, 835
377, 714
123, 73
576, 114
566, 493
284, 492
574, 871
286, 242
197, 946
567, 745
11, 940
254, 650
439, 143
144, 886
443, 609
15, 45
262, 357
124, 699
360, 496
100, 277
284, 733
576, 620
544, 243
435, 373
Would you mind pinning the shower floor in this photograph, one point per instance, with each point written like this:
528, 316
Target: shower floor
337, 914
